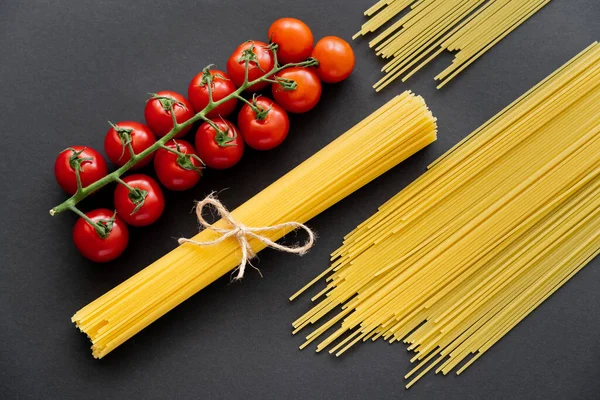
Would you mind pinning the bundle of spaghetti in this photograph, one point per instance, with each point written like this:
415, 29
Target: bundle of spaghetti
394, 132
451, 263
470, 27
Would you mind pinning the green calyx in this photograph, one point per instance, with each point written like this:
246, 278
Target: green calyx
75, 161
104, 226
223, 139
125, 137
260, 113
249, 57
208, 77
124, 133
167, 102
137, 197
286, 84
184, 160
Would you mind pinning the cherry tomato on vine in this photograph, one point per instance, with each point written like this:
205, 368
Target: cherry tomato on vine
118, 137
265, 126
294, 38
336, 59
299, 89
178, 172
140, 204
105, 242
221, 85
89, 162
260, 60
219, 149
158, 112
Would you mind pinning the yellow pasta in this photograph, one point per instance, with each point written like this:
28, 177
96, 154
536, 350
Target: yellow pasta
496, 225
397, 130
470, 27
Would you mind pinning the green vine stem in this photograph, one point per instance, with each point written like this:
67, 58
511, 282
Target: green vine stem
115, 176
102, 227
184, 160
259, 112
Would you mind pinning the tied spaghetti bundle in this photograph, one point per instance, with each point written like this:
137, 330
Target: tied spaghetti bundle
464, 253
470, 27
397, 130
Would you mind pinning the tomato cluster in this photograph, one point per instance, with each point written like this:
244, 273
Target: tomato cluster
262, 124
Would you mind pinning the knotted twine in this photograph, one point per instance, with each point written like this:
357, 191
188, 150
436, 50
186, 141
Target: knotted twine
242, 233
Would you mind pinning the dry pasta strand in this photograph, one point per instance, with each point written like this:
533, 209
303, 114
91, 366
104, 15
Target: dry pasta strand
468, 27
463, 254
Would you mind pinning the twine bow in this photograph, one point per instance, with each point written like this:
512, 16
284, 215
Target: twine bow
242, 233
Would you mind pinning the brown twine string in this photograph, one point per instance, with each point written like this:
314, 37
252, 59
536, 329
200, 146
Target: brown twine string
242, 232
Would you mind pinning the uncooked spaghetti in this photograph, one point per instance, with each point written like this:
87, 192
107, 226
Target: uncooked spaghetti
470, 27
459, 257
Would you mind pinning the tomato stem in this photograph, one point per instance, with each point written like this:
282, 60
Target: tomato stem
70, 203
167, 102
125, 137
78, 178
122, 182
252, 106
274, 81
259, 112
185, 160
211, 101
75, 162
173, 116
212, 124
137, 196
246, 72
286, 84
102, 227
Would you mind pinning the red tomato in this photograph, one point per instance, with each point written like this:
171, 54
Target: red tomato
140, 137
336, 59
219, 150
142, 206
90, 163
95, 247
158, 114
178, 172
261, 62
222, 86
265, 129
306, 93
294, 38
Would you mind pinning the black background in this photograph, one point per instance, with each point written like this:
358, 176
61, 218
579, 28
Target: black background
66, 67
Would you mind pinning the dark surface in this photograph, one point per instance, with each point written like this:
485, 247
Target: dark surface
67, 67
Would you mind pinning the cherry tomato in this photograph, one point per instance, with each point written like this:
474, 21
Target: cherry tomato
222, 86
261, 62
89, 162
99, 248
142, 206
177, 172
264, 127
336, 59
306, 93
294, 38
117, 137
158, 114
219, 150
